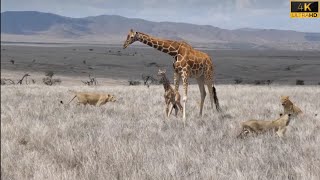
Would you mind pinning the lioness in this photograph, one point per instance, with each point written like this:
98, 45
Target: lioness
96, 99
259, 126
289, 107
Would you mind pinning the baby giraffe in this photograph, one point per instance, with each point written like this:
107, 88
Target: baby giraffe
172, 97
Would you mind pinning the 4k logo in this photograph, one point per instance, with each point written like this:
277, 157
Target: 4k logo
304, 9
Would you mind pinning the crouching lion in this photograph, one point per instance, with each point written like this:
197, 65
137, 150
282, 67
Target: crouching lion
259, 126
289, 107
96, 99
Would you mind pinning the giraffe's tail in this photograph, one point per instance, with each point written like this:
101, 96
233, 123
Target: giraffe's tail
215, 98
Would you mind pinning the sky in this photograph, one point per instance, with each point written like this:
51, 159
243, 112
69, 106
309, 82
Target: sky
227, 14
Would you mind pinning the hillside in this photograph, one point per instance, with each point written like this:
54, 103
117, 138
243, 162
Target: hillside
31, 26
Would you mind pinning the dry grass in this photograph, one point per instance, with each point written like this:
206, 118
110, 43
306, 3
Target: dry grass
131, 139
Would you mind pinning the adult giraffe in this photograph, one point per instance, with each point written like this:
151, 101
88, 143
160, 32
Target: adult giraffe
188, 62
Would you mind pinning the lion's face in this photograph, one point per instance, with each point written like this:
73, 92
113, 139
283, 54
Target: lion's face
284, 100
111, 98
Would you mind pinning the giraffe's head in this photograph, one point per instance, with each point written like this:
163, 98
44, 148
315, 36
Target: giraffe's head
131, 38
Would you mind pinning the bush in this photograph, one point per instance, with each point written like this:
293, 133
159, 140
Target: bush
49, 74
299, 82
6, 81
257, 82
56, 81
48, 80
238, 81
134, 83
262, 82
269, 82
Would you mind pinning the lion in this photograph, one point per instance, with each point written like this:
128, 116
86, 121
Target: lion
289, 107
96, 99
260, 126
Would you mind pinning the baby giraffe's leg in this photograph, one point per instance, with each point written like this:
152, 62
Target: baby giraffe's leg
167, 110
176, 109
180, 106
170, 109
167, 106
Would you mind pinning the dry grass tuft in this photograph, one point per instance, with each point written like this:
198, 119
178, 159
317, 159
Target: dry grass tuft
131, 139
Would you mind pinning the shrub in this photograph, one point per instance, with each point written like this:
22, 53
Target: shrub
48, 80
49, 74
238, 81
299, 82
257, 82
134, 83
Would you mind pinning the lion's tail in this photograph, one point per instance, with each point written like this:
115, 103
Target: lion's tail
72, 99
215, 97
243, 133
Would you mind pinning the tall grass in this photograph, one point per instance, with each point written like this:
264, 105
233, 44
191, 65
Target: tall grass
132, 139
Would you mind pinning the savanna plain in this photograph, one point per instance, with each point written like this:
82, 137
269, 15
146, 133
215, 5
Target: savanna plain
132, 139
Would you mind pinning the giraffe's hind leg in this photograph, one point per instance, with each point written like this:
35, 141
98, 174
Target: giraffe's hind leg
213, 96
209, 85
202, 93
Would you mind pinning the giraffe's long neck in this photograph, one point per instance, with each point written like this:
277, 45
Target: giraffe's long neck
166, 83
167, 46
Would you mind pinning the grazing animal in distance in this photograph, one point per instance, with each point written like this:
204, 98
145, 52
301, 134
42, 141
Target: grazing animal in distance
188, 63
171, 96
259, 126
96, 99
289, 107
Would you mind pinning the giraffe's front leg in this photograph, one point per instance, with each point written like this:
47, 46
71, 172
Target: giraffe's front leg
185, 94
167, 110
176, 80
167, 105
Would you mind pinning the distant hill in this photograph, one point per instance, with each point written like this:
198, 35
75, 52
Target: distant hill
31, 26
